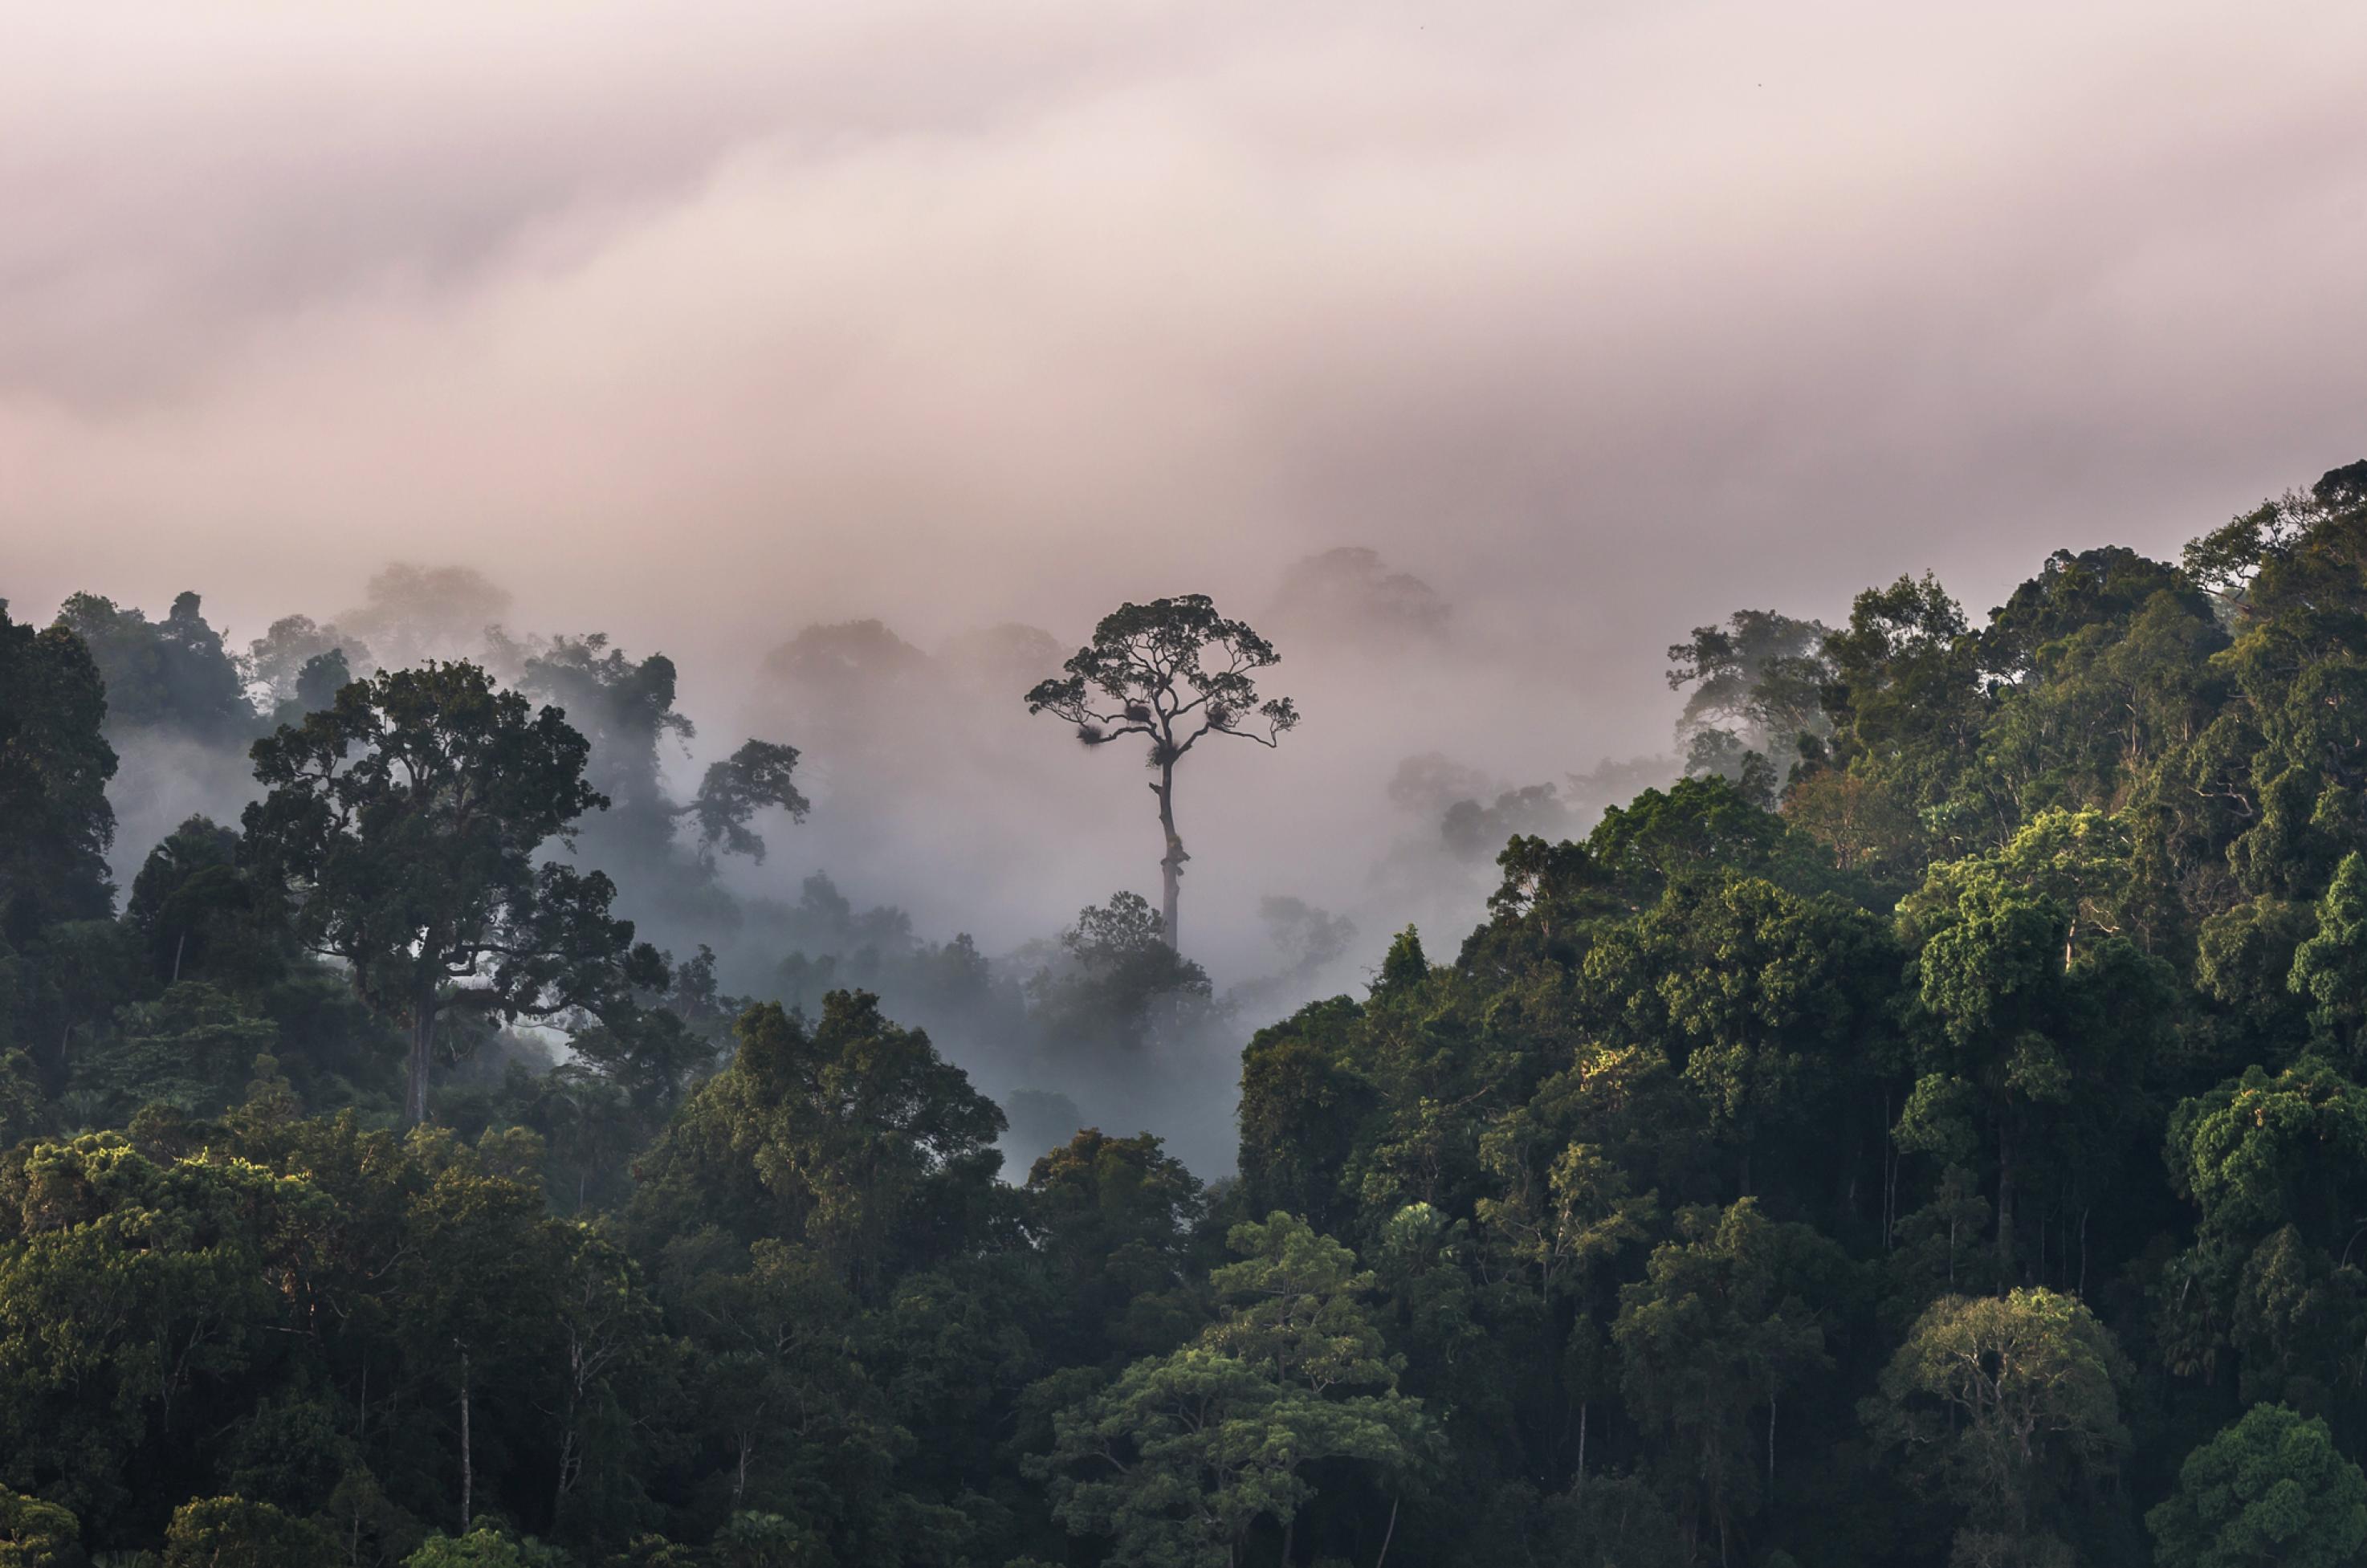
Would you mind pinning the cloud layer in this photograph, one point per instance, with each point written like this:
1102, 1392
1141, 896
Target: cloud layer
699, 324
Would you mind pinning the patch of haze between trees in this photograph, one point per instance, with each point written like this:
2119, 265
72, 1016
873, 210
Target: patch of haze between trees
935, 792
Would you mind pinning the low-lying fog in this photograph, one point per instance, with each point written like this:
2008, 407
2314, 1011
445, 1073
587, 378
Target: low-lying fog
859, 359
940, 807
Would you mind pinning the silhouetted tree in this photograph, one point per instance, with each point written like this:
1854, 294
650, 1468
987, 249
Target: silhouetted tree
1173, 672
55, 823
170, 675
405, 820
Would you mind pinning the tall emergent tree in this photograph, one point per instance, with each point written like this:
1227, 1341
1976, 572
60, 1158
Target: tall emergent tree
1172, 671
405, 820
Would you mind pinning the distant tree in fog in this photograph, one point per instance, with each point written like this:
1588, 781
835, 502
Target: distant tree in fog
1350, 595
1757, 683
417, 612
856, 691
847, 660
1474, 831
170, 676
1304, 939
625, 708
1427, 784
1173, 671
998, 657
276, 662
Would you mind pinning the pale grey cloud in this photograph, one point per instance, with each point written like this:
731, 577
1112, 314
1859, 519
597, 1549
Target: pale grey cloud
700, 322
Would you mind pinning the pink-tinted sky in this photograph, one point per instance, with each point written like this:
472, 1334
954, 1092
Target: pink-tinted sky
697, 322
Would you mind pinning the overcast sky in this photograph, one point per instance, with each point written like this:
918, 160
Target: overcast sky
699, 322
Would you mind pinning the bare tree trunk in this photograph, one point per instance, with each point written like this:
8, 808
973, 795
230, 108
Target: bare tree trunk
1170, 864
1390, 1534
423, 1043
566, 1457
467, 1461
179, 944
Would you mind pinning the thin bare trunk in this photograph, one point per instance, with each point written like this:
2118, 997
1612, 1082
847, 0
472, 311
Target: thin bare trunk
467, 1461
423, 1043
180, 944
566, 1460
1390, 1534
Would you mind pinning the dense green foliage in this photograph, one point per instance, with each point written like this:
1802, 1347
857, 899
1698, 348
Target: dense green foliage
1930, 1133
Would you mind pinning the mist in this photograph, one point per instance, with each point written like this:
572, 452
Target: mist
1594, 324
941, 810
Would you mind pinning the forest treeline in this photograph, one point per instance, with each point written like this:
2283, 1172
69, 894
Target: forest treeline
1928, 1132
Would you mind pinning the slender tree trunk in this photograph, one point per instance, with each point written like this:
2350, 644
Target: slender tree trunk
423, 1043
1289, 1532
467, 1461
1170, 864
1582, 1407
179, 944
1390, 1534
566, 1457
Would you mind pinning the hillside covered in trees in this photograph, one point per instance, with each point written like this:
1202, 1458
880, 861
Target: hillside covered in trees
1930, 1131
